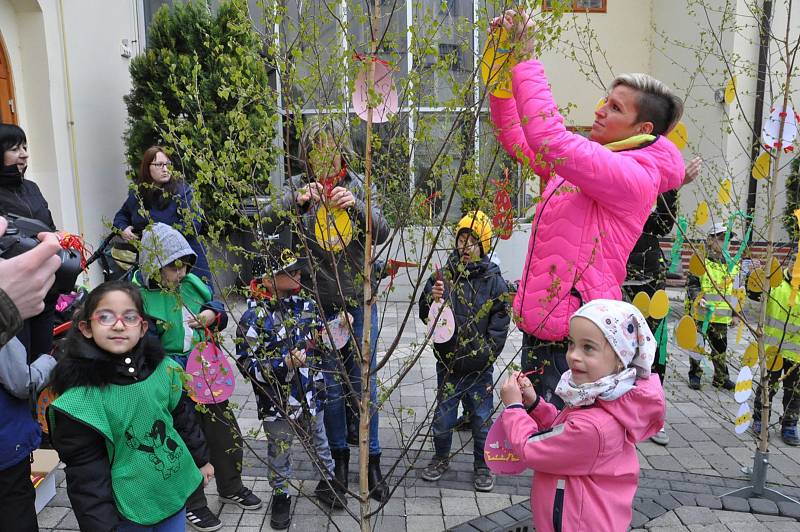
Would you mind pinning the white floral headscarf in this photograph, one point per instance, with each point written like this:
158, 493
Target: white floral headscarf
630, 337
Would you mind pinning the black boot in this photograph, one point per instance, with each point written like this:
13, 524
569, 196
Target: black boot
378, 489
341, 469
327, 494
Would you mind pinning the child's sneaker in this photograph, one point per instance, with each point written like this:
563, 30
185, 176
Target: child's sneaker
281, 515
435, 469
203, 519
245, 498
789, 435
483, 480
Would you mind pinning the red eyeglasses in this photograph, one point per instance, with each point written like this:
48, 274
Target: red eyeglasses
107, 318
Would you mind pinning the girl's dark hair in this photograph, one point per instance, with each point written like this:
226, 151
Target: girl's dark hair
11, 136
86, 310
152, 193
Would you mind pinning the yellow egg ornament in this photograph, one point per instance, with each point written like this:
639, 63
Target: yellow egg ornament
686, 333
642, 302
496, 64
724, 192
659, 305
750, 357
333, 228
756, 281
679, 136
761, 166
730, 90
701, 213
775, 274
774, 359
696, 266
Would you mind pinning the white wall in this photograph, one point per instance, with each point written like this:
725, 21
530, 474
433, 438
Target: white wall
69, 82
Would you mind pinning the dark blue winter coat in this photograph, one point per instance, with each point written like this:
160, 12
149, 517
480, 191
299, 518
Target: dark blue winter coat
175, 213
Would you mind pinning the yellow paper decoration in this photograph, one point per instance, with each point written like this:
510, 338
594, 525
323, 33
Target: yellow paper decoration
696, 266
739, 331
333, 228
756, 281
724, 192
761, 166
659, 305
600, 103
642, 302
730, 90
750, 357
743, 419
701, 213
795, 270
686, 333
679, 136
775, 274
497, 63
774, 359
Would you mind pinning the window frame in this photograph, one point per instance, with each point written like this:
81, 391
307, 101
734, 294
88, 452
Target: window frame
576, 9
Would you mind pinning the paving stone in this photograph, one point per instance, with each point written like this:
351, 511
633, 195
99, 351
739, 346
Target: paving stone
49, 517
424, 506
488, 503
502, 519
736, 504
789, 509
519, 512
460, 506
763, 506
305, 523
726, 517
669, 519
695, 515
650, 508
424, 522
685, 499
666, 463
638, 519
709, 501
667, 501
389, 522
783, 526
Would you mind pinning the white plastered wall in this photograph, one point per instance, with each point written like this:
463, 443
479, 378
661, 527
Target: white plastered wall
69, 80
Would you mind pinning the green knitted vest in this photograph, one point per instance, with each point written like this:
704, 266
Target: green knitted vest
152, 472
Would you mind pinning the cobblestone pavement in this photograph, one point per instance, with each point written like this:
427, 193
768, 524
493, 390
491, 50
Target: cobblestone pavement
679, 489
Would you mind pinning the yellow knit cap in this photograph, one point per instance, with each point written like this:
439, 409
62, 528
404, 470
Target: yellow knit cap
479, 225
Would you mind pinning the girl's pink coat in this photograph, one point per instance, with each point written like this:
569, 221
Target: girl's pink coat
592, 211
592, 451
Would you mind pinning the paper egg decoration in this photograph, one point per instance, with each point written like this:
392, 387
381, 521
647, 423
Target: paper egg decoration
743, 419
744, 385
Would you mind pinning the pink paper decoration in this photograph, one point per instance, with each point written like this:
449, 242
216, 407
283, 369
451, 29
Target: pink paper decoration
340, 333
499, 455
384, 86
212, 379
445, 326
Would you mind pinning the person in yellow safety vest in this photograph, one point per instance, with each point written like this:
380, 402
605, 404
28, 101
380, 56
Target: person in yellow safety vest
715, 302
782, 331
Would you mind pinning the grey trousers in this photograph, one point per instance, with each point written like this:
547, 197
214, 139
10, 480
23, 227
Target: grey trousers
280, 434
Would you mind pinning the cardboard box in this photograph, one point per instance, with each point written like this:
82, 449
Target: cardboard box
43, 476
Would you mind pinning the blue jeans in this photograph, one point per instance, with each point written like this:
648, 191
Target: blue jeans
335, 384
475, 390
176, 523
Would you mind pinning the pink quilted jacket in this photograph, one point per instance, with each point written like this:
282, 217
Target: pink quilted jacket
585, 466
593, 208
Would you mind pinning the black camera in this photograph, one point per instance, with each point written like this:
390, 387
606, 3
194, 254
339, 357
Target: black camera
20, 236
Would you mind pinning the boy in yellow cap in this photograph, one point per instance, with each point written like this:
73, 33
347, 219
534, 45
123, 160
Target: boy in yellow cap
472, 286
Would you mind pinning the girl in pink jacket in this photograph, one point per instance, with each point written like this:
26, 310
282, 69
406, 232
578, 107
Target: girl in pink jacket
599, 194
586, 470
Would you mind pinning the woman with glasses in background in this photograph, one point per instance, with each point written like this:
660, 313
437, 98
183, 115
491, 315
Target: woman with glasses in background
166, 199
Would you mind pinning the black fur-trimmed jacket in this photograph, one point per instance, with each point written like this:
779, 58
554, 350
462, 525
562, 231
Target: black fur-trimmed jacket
82, 448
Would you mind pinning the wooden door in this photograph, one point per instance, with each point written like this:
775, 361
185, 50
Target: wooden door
8, 109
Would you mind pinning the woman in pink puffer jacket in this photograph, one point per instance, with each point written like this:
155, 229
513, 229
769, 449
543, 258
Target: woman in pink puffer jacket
599, 194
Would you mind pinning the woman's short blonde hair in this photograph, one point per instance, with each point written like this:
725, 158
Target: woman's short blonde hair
657, 103
321, 126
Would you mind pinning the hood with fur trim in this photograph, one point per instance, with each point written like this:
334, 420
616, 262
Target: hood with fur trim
85, 364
